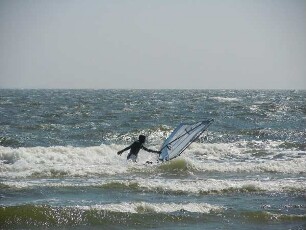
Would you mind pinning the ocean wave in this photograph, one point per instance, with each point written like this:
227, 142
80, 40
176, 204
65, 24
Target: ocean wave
179, 165
155, 135
226, 99
265, 216
8, 141
294, 138
216, 186
61, 162
169, 186
144, 207
134, 215
106, 215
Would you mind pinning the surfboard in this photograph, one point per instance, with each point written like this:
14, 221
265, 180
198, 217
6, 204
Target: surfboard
181, 137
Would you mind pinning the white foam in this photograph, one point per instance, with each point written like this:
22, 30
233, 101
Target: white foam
217, 185
103, 160
197, 186
241, 157
143, 207
61, 161
225, 99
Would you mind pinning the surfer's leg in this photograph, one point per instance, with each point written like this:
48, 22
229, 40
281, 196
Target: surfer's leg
132, 157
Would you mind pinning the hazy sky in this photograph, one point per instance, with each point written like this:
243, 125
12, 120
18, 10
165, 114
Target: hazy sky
202, 44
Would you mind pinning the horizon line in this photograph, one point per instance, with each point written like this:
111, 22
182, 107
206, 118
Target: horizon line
279, 89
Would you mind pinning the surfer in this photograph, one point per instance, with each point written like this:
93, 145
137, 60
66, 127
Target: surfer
135, 148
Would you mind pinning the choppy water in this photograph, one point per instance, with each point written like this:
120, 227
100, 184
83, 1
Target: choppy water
59, 167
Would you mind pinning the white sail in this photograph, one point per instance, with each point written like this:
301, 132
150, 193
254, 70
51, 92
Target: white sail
181, 138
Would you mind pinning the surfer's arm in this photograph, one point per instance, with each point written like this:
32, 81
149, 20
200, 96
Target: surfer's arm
150, 150
121, 151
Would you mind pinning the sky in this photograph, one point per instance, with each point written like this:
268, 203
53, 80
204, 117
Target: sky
153, 44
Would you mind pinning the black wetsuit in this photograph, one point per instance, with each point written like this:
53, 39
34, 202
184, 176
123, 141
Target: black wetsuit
135, 148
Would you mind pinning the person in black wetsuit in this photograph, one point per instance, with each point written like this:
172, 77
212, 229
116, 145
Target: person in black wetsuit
135, 148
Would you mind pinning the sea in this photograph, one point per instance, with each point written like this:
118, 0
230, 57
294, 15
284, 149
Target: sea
59, 167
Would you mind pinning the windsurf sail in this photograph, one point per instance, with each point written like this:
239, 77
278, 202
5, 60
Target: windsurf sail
181, 138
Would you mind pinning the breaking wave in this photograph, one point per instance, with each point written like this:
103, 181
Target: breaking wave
61, 162
169, 186
107, 215
131, 215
